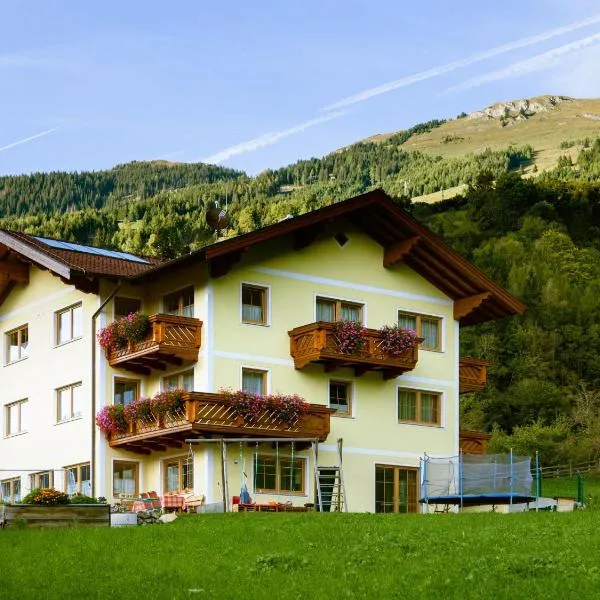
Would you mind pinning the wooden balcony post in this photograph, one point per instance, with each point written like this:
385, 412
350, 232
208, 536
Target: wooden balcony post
191, 410
197, 335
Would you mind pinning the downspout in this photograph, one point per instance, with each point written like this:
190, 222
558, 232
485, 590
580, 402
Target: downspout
94, 317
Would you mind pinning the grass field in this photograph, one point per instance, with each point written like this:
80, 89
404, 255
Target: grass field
310, 555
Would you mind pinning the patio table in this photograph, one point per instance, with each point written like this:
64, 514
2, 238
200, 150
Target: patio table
173, 501
139, 505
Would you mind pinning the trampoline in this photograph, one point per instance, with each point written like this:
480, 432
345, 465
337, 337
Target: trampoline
478, 479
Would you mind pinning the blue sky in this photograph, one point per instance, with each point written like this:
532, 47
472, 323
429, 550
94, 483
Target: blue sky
255, 85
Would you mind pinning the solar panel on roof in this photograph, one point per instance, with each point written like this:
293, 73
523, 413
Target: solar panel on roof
89, 250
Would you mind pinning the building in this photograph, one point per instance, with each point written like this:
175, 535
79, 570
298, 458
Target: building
254, 312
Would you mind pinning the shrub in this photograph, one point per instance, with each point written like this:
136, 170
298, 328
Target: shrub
111, 419
350, 336
396, 340
81, 499
48, 496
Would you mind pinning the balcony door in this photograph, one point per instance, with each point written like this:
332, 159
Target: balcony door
396, 489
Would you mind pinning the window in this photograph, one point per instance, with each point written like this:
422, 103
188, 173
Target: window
330, 311
16, 417
179, 474
415, 406
11, 490
126, 391
78, 480
17, 344
254, 381
181, 303
69, 324
278, 476
340, 398
125, 478
180, 381
125, 306
254, 304
41, 480
428, 328
68, 402
396, 489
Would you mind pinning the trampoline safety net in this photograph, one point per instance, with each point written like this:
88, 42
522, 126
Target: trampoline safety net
476, 474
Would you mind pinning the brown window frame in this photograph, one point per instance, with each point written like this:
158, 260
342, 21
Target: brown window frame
11, 483
72, 414
419, 329
412, 502
136, 476
338, 305
57, 315
19, 331
179, 296
182, 462
124, 380
418, 407
262, 372
264, 302
7, 409
78, 467
299, 463
180, 377
349, 398
34, 480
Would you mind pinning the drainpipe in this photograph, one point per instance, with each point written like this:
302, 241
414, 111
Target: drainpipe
94, 317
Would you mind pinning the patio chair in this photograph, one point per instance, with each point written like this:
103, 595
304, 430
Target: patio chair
153, 500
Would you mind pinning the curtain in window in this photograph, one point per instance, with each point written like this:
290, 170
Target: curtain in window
407, 406
124, 479
173, 477
429, 408
252, 313
429, 332
71, 481
407, 321
351, 313
6, 492
253, 382
325, 311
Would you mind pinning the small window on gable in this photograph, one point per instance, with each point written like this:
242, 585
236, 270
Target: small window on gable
341, 238
125, 306
254, 304
330, 311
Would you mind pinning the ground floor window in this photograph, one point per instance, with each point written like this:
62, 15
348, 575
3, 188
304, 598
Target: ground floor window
78, 480
179, 474
281, 475
125, 478
11, 490
396, 489
43, 480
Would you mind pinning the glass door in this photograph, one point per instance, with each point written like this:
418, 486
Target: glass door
396, 489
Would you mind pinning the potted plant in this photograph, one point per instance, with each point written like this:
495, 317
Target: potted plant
351, 336
396, 340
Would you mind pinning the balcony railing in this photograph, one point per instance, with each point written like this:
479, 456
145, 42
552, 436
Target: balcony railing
171, 340
206, 415
318, 343
473, 442
472, 375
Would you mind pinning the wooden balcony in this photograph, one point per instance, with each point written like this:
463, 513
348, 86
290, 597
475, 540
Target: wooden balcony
318, 343
473, 442
170, 341
472, 374
212, 415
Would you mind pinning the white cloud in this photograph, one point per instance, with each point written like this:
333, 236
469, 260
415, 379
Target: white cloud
536, 63
29, 139
266, 139
459, 64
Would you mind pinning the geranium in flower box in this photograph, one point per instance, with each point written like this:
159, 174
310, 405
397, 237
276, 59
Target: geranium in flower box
396, 340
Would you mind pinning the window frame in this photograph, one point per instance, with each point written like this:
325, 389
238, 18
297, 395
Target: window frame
265, 375
78, 467
7, 420
266, 303
57, 315
300, 459
7, 344
337, 311
136, 476
72, 416
34, 480
136, 382
180, 375
11, 482
418, 407
181, 462
180, 294
350, 387
419, 330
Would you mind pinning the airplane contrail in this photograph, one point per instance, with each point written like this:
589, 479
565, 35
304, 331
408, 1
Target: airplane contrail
266, 139
29, 139
534, 63
458, 64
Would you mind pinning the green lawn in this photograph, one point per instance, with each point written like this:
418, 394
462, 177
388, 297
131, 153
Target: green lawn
567, 487
310, 555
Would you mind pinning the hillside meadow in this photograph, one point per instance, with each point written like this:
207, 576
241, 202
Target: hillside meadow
310, 555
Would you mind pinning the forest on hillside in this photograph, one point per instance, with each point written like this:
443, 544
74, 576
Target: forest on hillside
537, 237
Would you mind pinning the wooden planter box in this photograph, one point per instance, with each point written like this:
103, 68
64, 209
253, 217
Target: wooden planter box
63, 515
